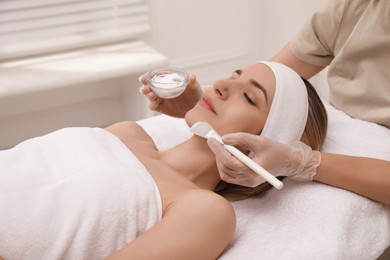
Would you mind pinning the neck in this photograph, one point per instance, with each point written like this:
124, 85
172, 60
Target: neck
194, 160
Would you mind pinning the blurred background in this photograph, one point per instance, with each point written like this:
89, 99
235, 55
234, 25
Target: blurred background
77, 62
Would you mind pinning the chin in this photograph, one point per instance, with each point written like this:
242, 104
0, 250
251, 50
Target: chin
191, 119
197, 115
189, 122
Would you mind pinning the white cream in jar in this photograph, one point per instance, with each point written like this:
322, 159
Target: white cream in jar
168, 82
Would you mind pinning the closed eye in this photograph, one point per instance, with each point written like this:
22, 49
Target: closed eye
250, 101
254, 83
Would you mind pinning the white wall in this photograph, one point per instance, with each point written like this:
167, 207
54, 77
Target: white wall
208, 38
213, 38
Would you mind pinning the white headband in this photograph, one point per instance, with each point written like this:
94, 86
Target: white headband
287, 117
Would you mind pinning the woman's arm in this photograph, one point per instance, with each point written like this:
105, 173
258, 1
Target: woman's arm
198, 226
304, 69
366, 176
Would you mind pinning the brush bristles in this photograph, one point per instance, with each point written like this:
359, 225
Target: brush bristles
201, 129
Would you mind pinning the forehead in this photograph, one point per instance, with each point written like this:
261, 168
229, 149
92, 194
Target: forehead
262, 74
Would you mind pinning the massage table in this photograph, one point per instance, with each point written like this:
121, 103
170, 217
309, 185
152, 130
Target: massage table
305, 220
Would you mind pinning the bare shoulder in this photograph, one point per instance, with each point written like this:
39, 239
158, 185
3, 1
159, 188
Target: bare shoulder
129, 131
128, 127
198, 225
205, 199
210, 210
200, 219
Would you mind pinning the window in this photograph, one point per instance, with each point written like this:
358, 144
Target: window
37, 27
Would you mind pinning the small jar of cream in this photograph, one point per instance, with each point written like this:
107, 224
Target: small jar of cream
168, 82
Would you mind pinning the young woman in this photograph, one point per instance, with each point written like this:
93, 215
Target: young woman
351, 37
182, 217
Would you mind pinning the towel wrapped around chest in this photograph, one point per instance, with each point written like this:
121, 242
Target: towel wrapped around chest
77, 193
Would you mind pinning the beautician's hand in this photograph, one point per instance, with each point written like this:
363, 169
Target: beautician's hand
178, 106
297, 161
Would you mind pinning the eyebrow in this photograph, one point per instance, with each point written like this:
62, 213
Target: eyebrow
256, 84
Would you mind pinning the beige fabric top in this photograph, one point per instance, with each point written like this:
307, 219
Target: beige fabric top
353, 38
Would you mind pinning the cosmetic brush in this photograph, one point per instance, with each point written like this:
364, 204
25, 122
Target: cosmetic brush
205, 130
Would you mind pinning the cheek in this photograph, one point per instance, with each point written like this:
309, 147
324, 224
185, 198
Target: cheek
237, 118
196, 115
239, 121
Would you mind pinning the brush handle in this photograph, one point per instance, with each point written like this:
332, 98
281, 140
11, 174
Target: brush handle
254, 166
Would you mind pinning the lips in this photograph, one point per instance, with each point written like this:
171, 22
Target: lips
207, 103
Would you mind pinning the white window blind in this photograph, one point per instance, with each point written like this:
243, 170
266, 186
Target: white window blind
36, 27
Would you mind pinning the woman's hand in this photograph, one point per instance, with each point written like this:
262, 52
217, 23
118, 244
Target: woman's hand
178, 106
297, 161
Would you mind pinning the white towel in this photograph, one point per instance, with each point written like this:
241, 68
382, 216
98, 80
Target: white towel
306, 220
351, 136
77, 193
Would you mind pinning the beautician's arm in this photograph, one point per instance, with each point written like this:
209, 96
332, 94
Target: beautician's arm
365, 176
198, 226
304, 69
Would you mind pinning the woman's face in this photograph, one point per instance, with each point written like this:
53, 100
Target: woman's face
240, 103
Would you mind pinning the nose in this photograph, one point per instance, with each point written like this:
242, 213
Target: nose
224, 88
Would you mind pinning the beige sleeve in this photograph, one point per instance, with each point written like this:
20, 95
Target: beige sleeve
314, 42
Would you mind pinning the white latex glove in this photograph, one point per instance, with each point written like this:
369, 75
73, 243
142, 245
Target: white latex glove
297, 161
177, 106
